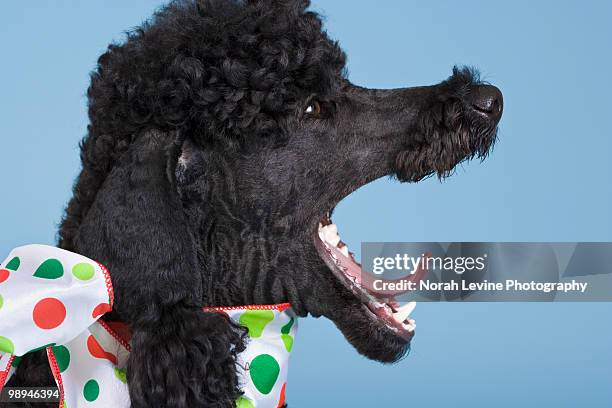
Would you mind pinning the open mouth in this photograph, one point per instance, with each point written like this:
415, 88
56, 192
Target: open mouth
381, 307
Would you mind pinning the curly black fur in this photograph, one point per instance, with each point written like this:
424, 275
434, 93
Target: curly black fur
221, 132
215, 69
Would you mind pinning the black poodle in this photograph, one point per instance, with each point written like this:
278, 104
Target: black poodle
222, 135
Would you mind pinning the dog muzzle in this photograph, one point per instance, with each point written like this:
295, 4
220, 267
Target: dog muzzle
54, 299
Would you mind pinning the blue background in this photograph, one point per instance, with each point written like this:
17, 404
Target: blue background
548, 179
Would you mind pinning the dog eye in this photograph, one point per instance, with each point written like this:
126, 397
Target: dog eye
313, 108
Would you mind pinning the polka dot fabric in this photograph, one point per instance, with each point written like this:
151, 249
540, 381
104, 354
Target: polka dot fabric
53, 298
264, 365
49, 298
91, 368
44, 301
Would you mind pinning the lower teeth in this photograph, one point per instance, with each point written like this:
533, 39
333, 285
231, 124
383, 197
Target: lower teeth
329, 236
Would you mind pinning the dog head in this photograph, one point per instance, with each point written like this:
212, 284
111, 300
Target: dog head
271, 135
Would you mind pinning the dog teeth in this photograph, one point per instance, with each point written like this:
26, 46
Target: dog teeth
410, 327
403, 312
329, 234
334, 240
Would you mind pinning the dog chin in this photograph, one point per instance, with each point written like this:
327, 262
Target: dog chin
369, 337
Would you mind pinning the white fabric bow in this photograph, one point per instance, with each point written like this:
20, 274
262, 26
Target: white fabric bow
54, 299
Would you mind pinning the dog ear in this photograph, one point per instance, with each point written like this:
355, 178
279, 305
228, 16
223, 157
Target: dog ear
136, 225
181, 356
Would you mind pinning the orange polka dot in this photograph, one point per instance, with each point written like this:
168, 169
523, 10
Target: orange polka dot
49, 313
281, 400
100, 310
96, 350
4, 274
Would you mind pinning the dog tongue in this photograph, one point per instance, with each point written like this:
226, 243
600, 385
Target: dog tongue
366, 280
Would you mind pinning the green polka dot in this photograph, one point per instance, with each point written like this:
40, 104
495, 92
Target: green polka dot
1, 301
6, 345
286, 328
243, 402
16, 361
120, 374
83, 271
264, 370
91, 390
50, 269
13, 264
62, 356
256, 321
287, 341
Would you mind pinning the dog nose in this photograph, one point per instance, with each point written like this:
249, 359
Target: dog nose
488, 100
